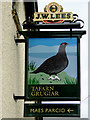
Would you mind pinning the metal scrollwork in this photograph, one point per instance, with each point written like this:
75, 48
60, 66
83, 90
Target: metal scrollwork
76, 20
79, 20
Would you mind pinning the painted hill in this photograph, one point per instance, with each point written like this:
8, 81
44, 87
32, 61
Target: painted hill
42, 78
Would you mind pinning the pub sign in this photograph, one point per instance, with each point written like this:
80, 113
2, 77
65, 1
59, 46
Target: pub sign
53, 65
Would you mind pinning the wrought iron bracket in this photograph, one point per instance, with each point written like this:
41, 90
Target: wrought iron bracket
16, 19
19, 40
18, 97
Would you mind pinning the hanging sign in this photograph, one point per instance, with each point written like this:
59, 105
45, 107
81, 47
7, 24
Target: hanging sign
53, 14
53, 71
53, 66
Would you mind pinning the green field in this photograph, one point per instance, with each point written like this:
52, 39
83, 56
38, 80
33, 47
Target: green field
42, 78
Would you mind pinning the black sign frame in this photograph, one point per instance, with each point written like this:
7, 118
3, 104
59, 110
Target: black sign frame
74, 95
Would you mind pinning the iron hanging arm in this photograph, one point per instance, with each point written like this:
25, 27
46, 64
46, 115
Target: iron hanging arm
18, 97
16, 20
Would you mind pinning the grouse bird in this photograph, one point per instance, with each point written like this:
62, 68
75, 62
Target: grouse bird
55, 64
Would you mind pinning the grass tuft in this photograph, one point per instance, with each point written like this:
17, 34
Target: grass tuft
33, 81
32, 66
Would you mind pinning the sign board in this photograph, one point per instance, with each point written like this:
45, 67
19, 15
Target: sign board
52, 110
53, 69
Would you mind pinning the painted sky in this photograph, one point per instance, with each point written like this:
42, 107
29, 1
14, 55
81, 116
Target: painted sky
51, 45
51, 41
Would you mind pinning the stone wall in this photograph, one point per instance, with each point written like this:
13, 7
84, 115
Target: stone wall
13, 62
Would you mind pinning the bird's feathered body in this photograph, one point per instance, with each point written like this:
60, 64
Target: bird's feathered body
54, 64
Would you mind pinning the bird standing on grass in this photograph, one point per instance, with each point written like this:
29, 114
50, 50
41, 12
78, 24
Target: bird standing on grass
54, 64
